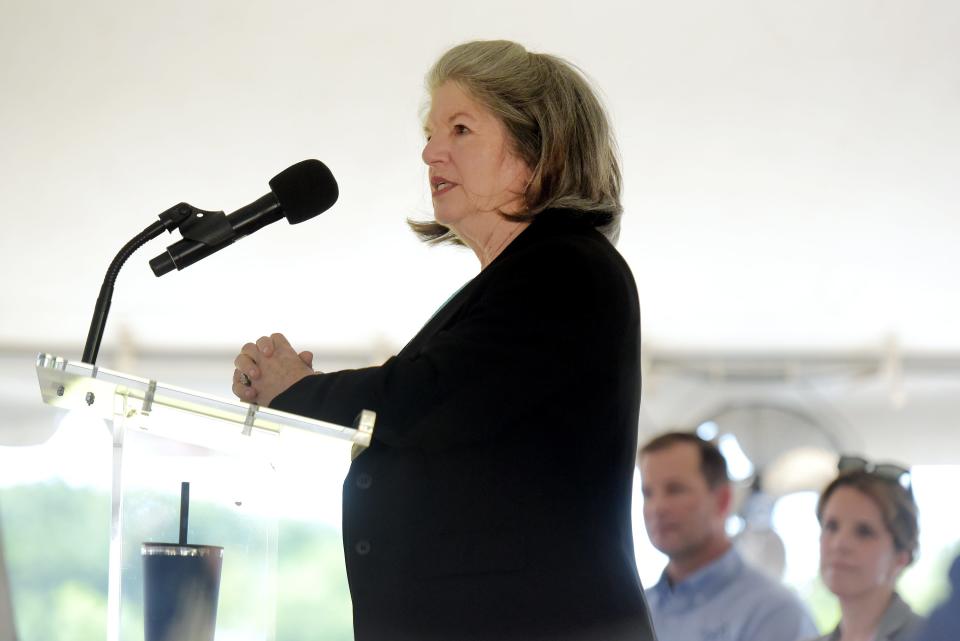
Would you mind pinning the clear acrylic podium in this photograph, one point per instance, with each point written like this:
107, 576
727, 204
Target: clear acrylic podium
230, 452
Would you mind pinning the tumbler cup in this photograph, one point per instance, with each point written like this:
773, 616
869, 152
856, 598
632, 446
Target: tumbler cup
181, 584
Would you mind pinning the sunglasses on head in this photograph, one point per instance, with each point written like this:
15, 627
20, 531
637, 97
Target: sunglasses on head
888, 471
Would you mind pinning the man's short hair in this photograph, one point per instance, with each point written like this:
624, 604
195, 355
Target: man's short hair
712, 464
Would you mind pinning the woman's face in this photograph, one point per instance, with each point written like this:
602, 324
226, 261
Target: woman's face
857, 554
473, 170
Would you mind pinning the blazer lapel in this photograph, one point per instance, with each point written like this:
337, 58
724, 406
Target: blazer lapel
549, 222
440, 319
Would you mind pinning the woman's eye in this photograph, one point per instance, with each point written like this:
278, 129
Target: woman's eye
864, 531
460, 129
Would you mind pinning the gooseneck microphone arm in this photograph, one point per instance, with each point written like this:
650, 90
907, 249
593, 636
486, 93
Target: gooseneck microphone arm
169, 220
102, 307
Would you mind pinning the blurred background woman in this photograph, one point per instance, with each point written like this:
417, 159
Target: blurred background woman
869, 535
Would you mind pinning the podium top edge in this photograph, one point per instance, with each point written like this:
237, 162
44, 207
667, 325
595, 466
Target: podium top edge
245, 413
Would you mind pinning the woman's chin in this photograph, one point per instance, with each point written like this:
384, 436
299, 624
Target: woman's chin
851, 589
449, 216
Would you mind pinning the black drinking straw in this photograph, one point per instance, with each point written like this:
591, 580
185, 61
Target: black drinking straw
184, 510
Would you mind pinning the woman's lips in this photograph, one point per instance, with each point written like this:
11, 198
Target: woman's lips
440, 185
838, 566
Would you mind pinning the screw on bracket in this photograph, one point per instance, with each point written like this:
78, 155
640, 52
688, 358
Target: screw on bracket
60, 390
90, 398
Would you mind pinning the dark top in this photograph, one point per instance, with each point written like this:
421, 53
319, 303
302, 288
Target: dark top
494, 501
944, 622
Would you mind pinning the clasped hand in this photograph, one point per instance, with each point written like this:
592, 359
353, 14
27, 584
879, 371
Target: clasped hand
270, 366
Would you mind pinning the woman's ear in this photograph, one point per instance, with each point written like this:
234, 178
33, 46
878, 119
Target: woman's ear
901, 560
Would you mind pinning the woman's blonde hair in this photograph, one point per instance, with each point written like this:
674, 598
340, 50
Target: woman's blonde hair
555, 122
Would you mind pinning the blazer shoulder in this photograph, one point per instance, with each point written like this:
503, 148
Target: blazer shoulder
566, 250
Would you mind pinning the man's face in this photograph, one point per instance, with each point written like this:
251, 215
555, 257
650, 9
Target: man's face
680, 511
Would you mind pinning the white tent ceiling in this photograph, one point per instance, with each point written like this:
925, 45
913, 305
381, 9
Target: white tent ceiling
790, 168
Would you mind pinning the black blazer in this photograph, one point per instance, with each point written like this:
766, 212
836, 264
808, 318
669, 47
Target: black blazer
494, 501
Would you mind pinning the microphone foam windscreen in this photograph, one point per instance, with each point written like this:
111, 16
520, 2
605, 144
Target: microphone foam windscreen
305, 190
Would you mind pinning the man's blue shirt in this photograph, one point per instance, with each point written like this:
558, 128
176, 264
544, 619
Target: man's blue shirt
727, 601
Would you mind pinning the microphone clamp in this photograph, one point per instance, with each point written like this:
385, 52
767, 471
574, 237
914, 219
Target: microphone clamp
209, 228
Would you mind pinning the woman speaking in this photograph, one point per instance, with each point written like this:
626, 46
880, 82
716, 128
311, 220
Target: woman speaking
494, 500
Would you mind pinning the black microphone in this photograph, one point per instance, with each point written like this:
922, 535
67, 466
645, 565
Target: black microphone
298, 193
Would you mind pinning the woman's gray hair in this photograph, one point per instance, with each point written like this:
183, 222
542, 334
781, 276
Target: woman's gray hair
556, 124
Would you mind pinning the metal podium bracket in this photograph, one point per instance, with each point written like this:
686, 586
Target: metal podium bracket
251, 418
148, 398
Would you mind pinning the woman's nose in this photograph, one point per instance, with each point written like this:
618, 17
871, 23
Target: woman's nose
839, 540
432, 151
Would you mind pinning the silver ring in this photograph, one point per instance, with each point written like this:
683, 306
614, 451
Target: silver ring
244, 380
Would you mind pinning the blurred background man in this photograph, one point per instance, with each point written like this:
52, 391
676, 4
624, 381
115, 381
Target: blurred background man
706, 592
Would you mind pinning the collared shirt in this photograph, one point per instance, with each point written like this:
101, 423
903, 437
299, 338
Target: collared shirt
727, 601
898, 623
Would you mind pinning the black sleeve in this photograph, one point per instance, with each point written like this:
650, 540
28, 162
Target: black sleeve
530, 332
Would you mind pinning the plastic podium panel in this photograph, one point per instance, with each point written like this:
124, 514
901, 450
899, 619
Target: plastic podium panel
228, 451
230, 500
